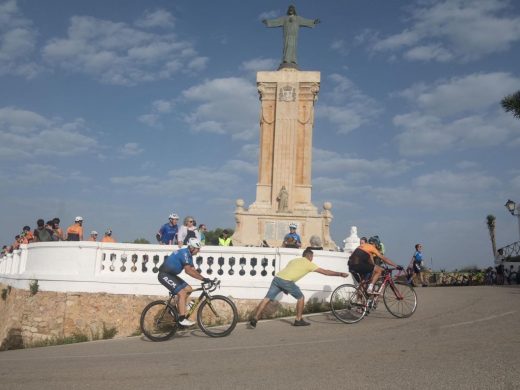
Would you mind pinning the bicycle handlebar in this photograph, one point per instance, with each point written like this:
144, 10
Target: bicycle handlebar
211, 286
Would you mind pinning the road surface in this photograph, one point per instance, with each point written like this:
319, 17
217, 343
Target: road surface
459, 338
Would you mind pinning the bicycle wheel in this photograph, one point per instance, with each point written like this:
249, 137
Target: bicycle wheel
348, 303
218, 316
400, 299
159, 321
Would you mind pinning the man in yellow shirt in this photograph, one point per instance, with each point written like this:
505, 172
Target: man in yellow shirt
284, 281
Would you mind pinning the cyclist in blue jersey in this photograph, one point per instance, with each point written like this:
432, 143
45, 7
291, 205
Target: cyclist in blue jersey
179, 261
168, 232
292, 240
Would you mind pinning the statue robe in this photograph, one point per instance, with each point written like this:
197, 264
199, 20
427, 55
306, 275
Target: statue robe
291, 25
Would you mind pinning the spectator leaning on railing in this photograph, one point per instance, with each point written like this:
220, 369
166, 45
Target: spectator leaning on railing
75, 231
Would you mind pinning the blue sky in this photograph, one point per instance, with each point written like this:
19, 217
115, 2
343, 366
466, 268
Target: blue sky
123, 112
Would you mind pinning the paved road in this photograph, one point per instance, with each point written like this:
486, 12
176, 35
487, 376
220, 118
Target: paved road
459, 338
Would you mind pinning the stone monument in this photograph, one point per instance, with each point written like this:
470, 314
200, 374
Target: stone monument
283, 191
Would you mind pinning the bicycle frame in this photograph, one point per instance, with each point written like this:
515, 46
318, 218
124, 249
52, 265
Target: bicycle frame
385, 279
205, 295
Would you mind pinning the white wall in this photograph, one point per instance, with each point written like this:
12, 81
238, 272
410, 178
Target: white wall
132, 268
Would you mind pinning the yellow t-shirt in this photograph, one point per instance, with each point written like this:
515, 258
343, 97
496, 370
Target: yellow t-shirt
297, 269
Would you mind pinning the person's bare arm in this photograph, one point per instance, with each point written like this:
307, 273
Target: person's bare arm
328, 272
190, 270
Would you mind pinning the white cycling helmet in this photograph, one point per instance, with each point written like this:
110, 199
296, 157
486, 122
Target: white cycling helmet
173, 216
78, 219
292, 226
194, 243
93, 233
108, 232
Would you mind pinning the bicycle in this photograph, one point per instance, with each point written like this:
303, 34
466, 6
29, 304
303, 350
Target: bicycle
217, 315
350, 303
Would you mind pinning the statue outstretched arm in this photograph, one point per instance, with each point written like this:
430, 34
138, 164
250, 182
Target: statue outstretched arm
278, 22
307, 22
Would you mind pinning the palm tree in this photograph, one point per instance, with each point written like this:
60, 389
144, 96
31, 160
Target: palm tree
512, 103
490, 221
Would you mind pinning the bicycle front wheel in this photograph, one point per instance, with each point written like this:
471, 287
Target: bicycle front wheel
159, 321
217, 316
400, 299
348, 303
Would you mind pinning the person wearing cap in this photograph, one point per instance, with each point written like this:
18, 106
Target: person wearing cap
284, 281
292, 239
167, 234
75, 231
173, 265
108, 236
93, 236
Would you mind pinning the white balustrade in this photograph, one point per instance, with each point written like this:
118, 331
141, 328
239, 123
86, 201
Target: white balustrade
245, 272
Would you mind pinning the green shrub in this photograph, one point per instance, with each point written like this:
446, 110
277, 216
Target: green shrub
4, 294
34, 287
108, 333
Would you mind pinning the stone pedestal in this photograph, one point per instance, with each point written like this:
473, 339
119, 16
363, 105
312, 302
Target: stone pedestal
286, 122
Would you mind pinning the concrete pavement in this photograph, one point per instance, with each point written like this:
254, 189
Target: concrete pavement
459, 338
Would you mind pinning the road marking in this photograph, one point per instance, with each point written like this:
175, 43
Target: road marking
479, 320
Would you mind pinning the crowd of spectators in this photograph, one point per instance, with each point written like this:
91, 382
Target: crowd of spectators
51, 231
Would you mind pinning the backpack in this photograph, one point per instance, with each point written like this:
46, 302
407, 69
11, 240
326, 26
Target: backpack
190, 234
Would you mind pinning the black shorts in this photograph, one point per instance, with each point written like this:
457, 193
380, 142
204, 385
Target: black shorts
363, 269
416, 267
172, 282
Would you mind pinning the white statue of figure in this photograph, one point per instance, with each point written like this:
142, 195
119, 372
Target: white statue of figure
352, 241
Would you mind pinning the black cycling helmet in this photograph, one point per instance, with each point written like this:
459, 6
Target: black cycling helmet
374, 240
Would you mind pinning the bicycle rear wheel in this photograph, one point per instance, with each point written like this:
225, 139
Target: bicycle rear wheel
159, 321
348, 303
218, 316
400, 299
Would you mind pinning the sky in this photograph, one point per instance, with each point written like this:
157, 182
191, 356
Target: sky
124, 112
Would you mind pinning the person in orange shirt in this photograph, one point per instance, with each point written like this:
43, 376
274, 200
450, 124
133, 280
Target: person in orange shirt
27, 235
108, 236
75, 232
361, 261
93, 236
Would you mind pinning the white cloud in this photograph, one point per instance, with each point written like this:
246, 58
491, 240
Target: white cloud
270, 14
195, 180
17, 42
339, 46
25, 134
473, 92
464, 30
216, 99
326, 162
459, 113
130, 149
259, 64
441, 181
116, 53
346, 106
157, 18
